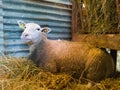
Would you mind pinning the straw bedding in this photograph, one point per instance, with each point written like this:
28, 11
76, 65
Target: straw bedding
22, 74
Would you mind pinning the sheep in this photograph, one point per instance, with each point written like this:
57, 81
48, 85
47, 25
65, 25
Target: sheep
79, 59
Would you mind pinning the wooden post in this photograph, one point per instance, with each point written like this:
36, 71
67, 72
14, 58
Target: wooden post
74, 17
118, 11
113, 53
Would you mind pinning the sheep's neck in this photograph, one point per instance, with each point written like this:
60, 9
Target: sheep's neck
39, 43
38, 52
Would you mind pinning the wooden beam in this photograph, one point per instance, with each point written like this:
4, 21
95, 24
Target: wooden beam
74, 16
111, 41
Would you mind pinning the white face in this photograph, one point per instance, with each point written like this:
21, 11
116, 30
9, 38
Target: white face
32, 33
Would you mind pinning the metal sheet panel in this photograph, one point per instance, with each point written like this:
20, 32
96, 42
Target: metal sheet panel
1, 31
55, 13
67, 2
60, 1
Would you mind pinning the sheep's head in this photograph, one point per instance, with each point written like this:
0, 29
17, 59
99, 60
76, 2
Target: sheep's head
32, 32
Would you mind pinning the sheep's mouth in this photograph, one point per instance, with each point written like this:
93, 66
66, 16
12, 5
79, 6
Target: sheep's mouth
26, 40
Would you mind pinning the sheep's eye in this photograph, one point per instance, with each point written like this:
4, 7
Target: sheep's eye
38, 29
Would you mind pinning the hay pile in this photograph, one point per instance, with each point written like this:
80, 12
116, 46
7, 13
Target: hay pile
96, 16
21, 74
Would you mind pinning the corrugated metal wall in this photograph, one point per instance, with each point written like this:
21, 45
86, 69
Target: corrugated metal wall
55, 13
1, 30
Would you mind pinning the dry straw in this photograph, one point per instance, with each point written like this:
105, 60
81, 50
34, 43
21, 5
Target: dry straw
97, 16
22, 74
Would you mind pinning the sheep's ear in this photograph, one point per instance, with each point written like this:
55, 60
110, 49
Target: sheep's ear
45, 30
21, 24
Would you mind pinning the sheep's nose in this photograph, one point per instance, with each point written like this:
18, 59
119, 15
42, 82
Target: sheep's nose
25, 35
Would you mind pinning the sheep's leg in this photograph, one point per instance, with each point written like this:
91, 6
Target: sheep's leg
96, 71
99, 65
51, 66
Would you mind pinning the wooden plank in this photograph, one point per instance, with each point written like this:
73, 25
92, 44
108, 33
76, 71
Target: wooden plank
111, 41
